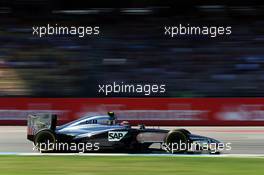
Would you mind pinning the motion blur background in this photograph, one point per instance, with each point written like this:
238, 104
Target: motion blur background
131, 48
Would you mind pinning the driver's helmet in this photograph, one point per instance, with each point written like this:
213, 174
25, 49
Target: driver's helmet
112, 118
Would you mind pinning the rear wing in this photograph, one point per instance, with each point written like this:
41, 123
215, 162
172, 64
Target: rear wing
39, 122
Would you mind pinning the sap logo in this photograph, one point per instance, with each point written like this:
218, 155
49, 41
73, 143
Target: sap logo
114, 136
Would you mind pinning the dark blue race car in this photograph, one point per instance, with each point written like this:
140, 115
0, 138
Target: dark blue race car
102, 133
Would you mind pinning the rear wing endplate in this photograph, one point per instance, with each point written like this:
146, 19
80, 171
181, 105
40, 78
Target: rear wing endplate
39, 122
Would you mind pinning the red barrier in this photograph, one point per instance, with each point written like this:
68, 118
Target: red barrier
150, 111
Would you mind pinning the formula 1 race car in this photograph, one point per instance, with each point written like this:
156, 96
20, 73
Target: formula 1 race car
103, 133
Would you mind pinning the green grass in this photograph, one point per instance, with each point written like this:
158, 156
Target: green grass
90, 165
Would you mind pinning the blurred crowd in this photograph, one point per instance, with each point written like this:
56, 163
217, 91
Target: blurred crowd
132, 48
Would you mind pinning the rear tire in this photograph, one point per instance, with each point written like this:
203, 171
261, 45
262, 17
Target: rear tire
45, 141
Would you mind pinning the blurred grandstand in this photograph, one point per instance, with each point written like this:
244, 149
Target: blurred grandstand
131, 48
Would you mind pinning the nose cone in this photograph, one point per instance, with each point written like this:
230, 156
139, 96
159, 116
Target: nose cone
213, 140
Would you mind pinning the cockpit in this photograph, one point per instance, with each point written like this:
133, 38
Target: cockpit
93, 124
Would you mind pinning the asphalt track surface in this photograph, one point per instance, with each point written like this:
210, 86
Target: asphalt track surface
244, 140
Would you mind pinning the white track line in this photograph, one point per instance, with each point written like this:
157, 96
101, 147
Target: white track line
136, 155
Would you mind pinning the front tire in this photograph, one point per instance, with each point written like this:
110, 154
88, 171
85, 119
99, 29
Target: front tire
177, 141
184, 131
